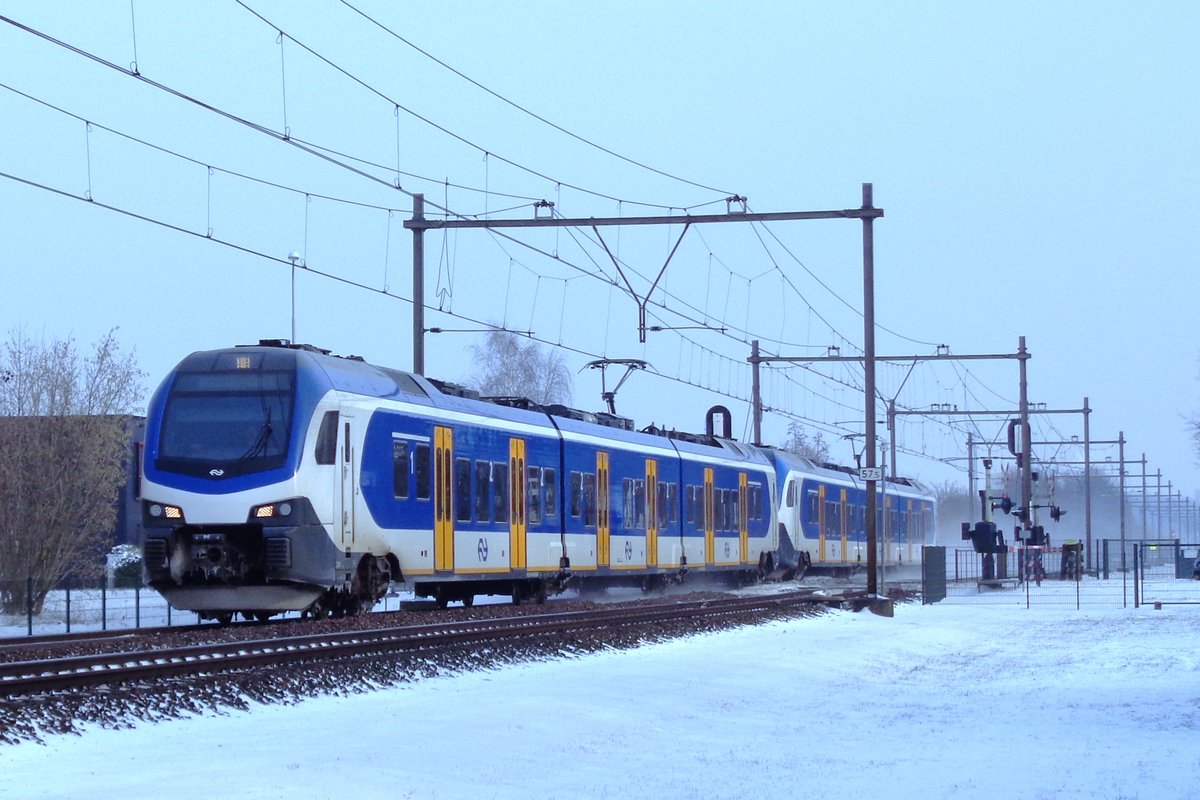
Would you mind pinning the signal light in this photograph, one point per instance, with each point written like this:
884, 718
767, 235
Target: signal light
1056, 513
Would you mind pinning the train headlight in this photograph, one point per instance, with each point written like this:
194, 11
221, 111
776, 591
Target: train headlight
163, 513
280, 509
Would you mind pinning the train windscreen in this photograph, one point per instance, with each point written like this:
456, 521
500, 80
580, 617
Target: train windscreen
220, 424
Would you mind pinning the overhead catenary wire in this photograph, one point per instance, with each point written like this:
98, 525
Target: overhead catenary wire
487, 193
282, 137
488, 152
526, 111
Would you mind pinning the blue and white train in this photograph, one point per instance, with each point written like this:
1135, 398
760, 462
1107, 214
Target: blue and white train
279, 477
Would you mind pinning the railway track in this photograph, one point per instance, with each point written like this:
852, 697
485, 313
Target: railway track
49, 675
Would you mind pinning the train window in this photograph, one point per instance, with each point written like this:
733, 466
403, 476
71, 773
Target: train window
462, 489
664, 513
576, 494
689, 504
589, 499
327, 438
673, 502
735, 510
483, 485
639, 504
627, 503
421, 470
814, 505
500, 492
790, 500
400, 468
550, 492
534, 475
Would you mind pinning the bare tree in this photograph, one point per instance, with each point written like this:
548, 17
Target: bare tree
813, 448
506, 367
63, 444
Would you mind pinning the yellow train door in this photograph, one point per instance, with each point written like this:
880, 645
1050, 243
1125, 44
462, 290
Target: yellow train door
744, 516
843, 522
821, 522
603, 529
889, 523
651, 512
710, 543
443, 511
517, 523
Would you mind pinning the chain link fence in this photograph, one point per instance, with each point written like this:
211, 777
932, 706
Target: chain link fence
76, 605
1123, 577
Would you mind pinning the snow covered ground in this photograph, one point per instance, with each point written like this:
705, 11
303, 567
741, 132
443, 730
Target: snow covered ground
941, 701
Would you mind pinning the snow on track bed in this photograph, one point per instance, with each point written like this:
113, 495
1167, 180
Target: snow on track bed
204, 680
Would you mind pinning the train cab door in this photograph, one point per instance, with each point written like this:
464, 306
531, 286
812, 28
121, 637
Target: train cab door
743, 517
347, 480
603, 528
710, 542
651, 512
443, 498
517, 521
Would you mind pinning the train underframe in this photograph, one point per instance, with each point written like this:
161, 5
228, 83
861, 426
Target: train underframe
258, 572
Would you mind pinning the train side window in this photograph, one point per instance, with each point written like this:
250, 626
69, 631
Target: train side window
627, 501
790, 495
400, 469
500, 492
689, 504
589, 499
550, 492
639, 504
735, 510
664, 511
483, 484
535, 494
462, 489
576, 494
421, 470
327, 438
672, 503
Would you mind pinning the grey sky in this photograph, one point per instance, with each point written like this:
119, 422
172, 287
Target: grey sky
1036, 161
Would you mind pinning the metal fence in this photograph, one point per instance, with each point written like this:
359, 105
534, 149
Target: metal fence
1166, 573
1045, 577
78, 605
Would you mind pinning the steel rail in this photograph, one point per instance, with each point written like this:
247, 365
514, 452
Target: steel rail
28, 677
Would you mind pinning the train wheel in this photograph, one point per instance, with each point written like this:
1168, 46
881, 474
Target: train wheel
316, 610
224, 618
262, 616
441, 597
468, 600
